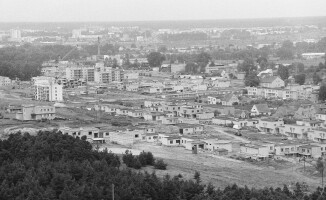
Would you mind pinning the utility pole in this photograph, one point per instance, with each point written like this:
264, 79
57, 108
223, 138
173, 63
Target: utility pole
112, 191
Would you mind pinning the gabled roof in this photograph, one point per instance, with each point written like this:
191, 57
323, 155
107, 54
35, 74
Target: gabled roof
262, 108
269, 79
227, 97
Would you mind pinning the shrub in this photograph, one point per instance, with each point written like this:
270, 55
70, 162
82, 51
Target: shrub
159, 164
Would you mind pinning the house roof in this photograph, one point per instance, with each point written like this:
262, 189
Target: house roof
269, 79
227, 97
262, 108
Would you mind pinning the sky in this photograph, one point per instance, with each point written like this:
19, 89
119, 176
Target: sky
153, 10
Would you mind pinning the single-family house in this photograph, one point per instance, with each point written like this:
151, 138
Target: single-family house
270, 125
214, 144
187, 129
260, 109
294, 130
255, 151
311, 151
272, 82
229, 100
317, 135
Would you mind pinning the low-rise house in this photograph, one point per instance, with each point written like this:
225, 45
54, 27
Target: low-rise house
310, 123
242, 114
154, 116
32, 112
294, 130
187, 129
191, 144
189, 111
287, 149
171, 141
255, 151
170, 120
311, 151
272, 82
13, 109
152, 103
213, 145
125, 137
205, 115
317, 135
320, 116
260, 109
135, 113
150, 137
270, 125
214, 99
132, 88
306, 111
122, 111
92, 134
229, 100
243, 123
222, 121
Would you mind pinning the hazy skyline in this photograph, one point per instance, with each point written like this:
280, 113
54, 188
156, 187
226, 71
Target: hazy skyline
152, 10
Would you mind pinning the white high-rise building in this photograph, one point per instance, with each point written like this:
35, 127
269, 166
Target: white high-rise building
46, 89
76, 33
15, 34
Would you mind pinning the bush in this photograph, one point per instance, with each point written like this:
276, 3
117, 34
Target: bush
159, 164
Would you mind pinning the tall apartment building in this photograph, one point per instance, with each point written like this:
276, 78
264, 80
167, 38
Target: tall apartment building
4, 81
46, 89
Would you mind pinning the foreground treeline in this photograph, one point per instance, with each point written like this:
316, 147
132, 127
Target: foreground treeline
56, 166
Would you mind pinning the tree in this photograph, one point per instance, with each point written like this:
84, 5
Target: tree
162, 49
283, 72
247, 66
300, 79
322, 93
155, 59
320, 167
252, 80
316, 78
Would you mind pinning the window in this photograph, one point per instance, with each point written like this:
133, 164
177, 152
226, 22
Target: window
106, 134
171, 141
282, 149
90, 133
136, 136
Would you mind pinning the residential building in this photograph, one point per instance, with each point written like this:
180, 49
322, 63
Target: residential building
32, 112
260, 109
4, 81
255, 151
46, 89
312, 151
270, 125
272, 82
294, 130
229, 100
186, 129
214, 144
317, 135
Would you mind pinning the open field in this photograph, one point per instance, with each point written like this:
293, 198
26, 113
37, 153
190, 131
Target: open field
222, 171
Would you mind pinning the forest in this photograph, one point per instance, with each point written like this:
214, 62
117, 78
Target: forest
51, 165
24, 62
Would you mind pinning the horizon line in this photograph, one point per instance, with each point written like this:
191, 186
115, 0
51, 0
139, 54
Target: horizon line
168, 20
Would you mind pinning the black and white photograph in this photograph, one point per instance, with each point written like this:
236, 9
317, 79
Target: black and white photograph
163, 99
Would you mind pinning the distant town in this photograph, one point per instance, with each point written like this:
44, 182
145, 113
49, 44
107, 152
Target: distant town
243, 99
